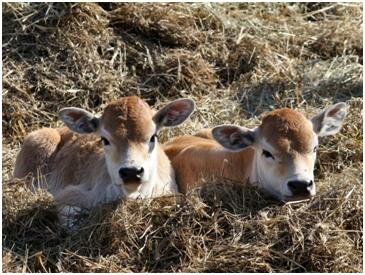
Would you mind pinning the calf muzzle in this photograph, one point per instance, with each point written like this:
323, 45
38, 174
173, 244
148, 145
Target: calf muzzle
300, 188
131, 174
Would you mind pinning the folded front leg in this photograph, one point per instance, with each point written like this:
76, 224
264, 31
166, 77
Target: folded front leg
71, 203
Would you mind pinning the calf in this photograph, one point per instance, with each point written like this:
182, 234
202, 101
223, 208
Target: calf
278, 156
100, 159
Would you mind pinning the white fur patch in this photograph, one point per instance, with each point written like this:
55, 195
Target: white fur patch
68, 216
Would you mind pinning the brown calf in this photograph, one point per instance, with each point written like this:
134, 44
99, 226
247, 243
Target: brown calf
278, 156
101, 159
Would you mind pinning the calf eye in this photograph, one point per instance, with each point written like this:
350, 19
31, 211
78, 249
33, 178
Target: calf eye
315, 149
152, 143
105, 141
267, 154
153, 138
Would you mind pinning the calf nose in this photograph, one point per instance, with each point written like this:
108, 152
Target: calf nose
131, 173
298, 187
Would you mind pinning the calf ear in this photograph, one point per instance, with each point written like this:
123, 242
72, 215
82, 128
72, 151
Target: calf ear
234, 137
79, 120
174, 113
329, 121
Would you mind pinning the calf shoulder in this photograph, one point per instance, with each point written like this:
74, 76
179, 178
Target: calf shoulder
36, 152
79, 161
198, 161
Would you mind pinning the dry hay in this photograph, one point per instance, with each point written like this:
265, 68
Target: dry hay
236, 61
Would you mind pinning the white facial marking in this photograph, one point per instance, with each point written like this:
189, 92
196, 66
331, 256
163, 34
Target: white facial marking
131, 156
274, 178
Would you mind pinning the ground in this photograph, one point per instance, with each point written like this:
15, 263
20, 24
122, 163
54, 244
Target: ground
236, 61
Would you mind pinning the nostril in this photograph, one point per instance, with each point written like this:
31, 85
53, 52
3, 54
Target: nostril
299, 187
291, 185
140, 171
294, 185
122, 173
130, 173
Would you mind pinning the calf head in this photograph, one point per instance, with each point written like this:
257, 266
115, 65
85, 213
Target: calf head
128, 130
285, 148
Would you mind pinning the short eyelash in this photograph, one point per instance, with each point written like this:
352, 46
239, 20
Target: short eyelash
105, 141
153, 138
267, 154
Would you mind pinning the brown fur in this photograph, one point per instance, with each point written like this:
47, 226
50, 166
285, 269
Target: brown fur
287, 130
37, 149
59, 154
74, 164
204, 133
129, 118
198, 158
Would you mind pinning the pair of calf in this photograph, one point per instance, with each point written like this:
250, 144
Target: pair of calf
101, 159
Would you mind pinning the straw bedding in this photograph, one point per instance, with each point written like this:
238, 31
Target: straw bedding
236, 61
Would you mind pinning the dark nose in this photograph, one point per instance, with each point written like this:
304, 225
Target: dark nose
131, 173
300, 187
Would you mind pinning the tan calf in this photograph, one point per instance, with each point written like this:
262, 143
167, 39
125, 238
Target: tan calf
278, 156
101, 159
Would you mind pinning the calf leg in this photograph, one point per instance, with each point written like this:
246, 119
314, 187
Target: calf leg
75, 200
71, 202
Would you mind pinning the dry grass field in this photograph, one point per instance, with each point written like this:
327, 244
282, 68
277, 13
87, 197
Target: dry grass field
236, 61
